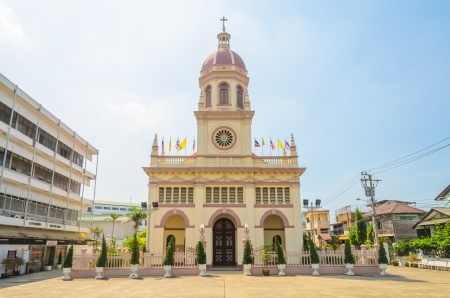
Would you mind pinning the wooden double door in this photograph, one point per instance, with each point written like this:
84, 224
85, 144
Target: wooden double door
224, 248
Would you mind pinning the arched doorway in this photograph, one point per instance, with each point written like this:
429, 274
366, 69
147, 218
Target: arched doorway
224, 251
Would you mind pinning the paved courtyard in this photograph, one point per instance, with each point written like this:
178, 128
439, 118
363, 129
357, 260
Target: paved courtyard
401, 282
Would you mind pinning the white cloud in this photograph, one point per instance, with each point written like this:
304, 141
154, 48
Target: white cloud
10, 30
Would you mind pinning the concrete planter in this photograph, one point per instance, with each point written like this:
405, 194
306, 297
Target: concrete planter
58, 266
202, 268
281, 267
247, 269
48, 268
383, 268
349, 269
66, 272
315, 267
167, 269
134, 268
99, 271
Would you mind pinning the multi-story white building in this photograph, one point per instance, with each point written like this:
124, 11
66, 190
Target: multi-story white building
225, 188
43, 177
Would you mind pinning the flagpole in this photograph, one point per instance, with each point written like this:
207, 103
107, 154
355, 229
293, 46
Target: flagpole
185, 154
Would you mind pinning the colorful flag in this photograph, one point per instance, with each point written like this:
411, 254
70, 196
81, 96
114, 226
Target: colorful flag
162, 145
170, 144
263, 143
280, 145
183, 144
193, 146
286, 145
256, 143
177, 144
272, 145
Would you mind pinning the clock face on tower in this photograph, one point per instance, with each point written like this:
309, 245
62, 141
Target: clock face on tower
224, 138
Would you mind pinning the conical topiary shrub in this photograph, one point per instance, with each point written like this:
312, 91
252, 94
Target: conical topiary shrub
382, 258
134, 251
101, 261
247, 258
280, 253
313, 253
348, 255
68, 258
169, 259
201, 255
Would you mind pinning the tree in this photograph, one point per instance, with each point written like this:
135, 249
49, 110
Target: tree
141, 239
369, 236
136, 216
96, 231
361, 228
382, 258
335, 242
135, 251
113, 218
352, 237
169, 259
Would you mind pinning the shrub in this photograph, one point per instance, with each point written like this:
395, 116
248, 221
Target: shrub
265, 254
280, 253
247, 258
382, 259
68, 258
313, 253
348, 256
394, 262
134, 251
50, 259
169, 259
101, 261
201, 255
59, 258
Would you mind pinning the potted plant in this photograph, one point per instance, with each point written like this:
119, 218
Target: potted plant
19, 263
134, 263
349, 260
314, 258
59, 264
201, 258
382, 259
101, 261
32, 263
281, 262
67, 264
8, 264
50, 261
247, 258
394, 262
266, 257
169, 259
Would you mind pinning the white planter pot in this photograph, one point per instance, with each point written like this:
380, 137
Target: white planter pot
281, 267
66, 272
99, 271
383, 268
349, 269
247, 269
315, 267
134, 268
167, 269
202, 268
48, 268
58, 266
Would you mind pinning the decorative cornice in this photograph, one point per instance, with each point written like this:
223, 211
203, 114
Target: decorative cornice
273, 206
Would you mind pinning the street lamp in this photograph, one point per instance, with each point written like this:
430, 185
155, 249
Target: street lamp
155, 206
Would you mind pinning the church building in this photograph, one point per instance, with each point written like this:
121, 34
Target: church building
224, 190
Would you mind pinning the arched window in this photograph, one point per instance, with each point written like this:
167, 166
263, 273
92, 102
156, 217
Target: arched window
223, 95
240, 98
273, 242
170, 238
208, 96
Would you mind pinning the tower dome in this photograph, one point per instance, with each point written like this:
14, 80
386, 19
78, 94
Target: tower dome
223, 56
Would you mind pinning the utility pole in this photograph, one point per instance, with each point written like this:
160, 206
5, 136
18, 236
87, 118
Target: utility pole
369, 189
305, 205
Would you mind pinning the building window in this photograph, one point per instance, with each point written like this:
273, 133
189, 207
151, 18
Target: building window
176, 195
208, 96
223, 95
77, 159
272, 195
64, 150
98, 207
47, 140
240, 97
26, 127
224, 195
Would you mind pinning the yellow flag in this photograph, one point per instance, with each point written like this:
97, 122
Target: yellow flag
170, 143
183, 144
263, 143
280, 145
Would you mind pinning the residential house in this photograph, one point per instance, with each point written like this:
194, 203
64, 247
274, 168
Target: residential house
318, 225
426, 226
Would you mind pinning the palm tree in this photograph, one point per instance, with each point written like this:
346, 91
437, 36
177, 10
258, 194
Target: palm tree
137, 216
113, 218
96, 231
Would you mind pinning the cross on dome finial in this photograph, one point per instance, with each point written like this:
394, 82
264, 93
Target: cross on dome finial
223, 21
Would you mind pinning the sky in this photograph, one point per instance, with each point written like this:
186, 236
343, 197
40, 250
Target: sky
358, 83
